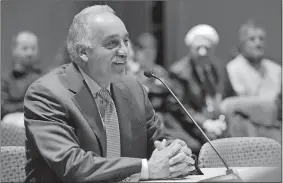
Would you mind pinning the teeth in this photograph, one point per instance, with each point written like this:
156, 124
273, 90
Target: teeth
119, 62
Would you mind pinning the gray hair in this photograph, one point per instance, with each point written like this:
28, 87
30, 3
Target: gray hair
250, 24
79, 29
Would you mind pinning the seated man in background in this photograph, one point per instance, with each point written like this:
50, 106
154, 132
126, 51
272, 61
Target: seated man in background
145, 56
144, 59
199, 77
88, 122
255, 82
24, 71
251, 73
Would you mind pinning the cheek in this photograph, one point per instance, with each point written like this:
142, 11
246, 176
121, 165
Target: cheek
105, 61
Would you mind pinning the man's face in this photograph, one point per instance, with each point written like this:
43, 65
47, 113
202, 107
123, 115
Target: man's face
109, 54
200, 49
26, 50
253, 43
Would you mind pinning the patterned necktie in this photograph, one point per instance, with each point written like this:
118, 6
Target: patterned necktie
111, 125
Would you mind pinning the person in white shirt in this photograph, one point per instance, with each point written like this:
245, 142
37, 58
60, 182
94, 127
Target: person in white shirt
256, 84
251, 73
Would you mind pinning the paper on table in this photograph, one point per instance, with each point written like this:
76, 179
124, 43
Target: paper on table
210, 172
248, 174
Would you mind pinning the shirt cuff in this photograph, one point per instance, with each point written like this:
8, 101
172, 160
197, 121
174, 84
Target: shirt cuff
144, 170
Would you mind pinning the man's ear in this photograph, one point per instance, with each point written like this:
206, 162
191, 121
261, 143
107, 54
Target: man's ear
81, 50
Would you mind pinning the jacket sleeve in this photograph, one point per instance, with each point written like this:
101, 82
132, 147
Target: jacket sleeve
155, 127
49, 134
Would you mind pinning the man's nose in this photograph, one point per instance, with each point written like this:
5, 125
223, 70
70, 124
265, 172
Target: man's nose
123, 51
29, 53
258, 42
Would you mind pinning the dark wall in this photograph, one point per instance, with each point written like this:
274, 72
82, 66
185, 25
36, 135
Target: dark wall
226, 16
51, 19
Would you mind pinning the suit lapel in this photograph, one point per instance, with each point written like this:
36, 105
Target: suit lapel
86, 103
123, 107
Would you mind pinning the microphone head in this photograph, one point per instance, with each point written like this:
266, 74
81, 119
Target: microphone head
148, 74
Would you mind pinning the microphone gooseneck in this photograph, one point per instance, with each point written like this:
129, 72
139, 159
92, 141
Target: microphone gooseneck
151, 75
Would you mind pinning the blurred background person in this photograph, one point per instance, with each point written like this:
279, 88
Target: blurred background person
251, 73
145, 56
144, 59
200, 81
24, 71
253, 87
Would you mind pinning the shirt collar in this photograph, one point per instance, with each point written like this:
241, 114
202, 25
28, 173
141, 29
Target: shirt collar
93, 85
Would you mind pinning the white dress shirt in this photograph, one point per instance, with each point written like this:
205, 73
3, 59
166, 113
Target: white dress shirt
248, 81
95, 88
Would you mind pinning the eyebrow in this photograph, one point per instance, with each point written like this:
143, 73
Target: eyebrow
116, 35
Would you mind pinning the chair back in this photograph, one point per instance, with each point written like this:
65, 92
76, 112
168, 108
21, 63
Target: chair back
13, 162
12, 135
241, 152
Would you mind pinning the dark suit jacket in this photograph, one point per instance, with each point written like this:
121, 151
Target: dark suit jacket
14, 87
66, 141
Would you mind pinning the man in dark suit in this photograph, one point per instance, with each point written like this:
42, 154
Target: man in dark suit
87, 122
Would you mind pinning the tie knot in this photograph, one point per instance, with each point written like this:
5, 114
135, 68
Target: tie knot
105, 95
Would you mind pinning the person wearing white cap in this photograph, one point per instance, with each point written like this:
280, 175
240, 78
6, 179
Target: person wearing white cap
200, 79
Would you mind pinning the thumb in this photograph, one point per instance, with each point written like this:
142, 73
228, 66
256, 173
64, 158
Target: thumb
158, 145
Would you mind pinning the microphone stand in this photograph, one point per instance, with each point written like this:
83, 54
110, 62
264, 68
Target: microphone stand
230, 174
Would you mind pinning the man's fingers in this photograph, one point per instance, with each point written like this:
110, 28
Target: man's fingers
178, 168
176, 174
187, 151
178, 141
173, 149
188, 169
158, 145
178, 158
184, 171
189, 160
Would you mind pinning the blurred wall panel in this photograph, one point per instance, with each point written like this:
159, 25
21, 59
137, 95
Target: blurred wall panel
226, 16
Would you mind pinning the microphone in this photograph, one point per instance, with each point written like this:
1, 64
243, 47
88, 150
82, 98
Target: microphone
230, 174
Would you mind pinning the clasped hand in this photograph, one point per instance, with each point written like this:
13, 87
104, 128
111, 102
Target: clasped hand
170, 161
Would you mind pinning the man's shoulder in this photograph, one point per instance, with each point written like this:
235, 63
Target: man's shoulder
179, 65
50, 80
235, 64
271, 64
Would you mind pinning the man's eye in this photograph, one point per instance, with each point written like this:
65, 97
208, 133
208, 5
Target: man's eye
112, 44
126, 41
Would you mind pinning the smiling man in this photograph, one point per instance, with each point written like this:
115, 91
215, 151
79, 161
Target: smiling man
87, 122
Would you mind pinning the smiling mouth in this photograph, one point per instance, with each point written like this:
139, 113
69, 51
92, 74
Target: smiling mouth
120, 63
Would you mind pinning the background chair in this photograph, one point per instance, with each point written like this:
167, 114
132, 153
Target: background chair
252, 117
241, 152
12, 135
13, 161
